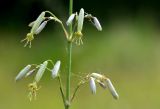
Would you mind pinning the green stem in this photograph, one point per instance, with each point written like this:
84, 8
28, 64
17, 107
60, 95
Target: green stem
68, 75
69, 51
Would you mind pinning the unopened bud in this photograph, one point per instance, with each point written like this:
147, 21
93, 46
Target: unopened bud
41, 71
80, 20
41, 27
93, 85
112, 89
55, 69
97, 24
23, 72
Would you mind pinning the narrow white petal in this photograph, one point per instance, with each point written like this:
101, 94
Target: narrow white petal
23, 72
41, 27
112, 89
97, 76
80, 20
70, 19
97, 24
41, 71
55, 69
37, 22
93, 85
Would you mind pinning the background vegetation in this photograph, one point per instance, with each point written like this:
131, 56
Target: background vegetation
127, 51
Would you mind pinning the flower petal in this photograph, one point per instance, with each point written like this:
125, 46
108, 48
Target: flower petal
55, 69
97, 24
80, 20
93, 85
112, 89
70, 19
23, 72
41, 71
41, 27
37, 23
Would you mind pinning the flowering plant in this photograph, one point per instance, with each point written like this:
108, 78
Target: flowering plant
74, 35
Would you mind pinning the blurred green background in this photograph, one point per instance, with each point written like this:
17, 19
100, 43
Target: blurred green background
127, 51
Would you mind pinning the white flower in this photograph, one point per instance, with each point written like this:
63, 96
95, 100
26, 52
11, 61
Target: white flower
112, 89
41, 27
55, 69
70, 19
37, 22
23, 72
41, 71
97, 24
80, 20
93, 85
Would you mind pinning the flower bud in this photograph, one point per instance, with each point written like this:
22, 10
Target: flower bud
41, 71
41, 27
37, 22
93, 85
55, 69
80, 20
112, 89
23, 72
97, 24
70, 19
97, 76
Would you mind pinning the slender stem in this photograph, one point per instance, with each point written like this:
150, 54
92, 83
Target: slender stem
61, 89
76, 89
69, 51
68, 75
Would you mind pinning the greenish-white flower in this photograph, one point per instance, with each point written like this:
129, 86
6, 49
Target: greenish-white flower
55, 69
38, 22
35, 25
112, 89
80, 20
97, 24
41, 71
41, 27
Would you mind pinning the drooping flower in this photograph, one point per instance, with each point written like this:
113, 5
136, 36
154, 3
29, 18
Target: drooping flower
35, 25
97, 24
112, 89
38, 22
41, 71
23, 72
55, 69
92, 85
41, 27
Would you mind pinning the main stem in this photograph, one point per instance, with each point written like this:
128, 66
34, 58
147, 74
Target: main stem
69, 51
